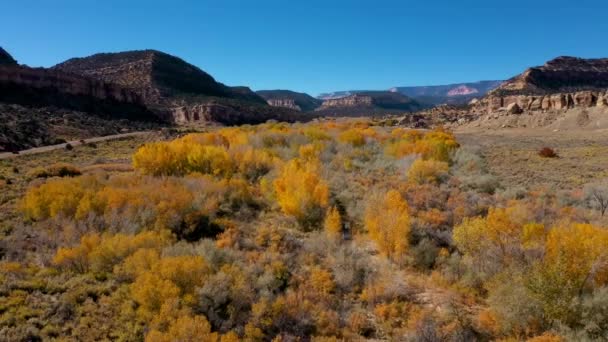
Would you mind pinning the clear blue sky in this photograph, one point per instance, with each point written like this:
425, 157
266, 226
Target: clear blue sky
312, 45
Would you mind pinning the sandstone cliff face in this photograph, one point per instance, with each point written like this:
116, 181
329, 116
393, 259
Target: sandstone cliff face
285, 103
348, 101
582, 99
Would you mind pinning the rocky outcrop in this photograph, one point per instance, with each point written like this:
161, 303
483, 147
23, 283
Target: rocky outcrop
348, 101
285, 103
175, 88
39, 87
231, 114
557, 101
560, 75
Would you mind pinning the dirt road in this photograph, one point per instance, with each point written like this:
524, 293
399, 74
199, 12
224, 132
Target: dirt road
6, 155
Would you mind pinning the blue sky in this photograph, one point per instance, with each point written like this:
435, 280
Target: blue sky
316, 46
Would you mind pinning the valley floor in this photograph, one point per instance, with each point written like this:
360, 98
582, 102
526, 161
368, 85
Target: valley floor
512, 156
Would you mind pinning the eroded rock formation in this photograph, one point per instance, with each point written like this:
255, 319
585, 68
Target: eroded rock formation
348, 101
558, 101
285, 103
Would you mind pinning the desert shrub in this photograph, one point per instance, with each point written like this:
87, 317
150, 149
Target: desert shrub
54, 170
424, 254
102, 253
133, 203
547, 152
437, 145
352, 136
427, 171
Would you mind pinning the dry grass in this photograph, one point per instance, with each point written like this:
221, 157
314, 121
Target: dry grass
513, 156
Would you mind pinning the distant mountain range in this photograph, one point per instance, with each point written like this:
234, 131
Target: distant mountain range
346, 104
457, 93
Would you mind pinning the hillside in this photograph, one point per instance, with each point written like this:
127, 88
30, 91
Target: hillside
290, 99
6, 58
560, 75
177, 89
41, 106
369, 103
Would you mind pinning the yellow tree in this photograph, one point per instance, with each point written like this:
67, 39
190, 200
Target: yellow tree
301, 192
575, 258
388, 224
498, 234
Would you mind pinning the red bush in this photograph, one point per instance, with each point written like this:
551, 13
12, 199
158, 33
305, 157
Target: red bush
547, 152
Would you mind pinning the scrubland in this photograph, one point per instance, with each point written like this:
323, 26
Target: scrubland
327, 231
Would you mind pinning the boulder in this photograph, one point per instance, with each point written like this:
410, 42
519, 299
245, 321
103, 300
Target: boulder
514, 108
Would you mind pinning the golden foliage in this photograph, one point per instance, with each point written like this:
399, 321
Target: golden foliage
388, 223
436, 145
185, 329
300, 190
427, 171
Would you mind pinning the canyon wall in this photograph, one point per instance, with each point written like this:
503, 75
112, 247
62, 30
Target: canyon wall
348, 101
285, 103
581, 99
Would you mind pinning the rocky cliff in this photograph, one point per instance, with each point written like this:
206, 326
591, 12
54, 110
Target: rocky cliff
40, 106
348, 101
560, 75
173, 87
581, 99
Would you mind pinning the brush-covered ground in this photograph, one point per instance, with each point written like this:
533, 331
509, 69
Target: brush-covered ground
512, 155
327, 231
